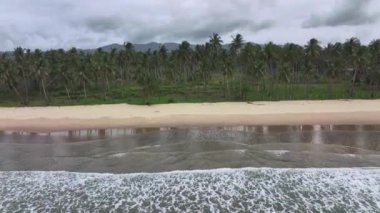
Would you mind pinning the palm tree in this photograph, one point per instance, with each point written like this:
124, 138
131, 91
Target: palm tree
77, 69
247, 60
216, 41
333, 58
312, 62
271, 56
333, 64
22, 68
235, 50
351, 52
202, 55
215, 50
236, 44
363, 63
130, 61
60, 65
41, 71
293, 54
184, 59
145, 75
162, 58
226, 70
313, 54
253, 68
9, 75
374, 73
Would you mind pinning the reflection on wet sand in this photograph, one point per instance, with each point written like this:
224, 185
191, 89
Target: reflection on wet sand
164, 149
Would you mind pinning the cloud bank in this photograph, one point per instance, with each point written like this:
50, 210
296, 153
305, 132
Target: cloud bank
47, 24
351, 13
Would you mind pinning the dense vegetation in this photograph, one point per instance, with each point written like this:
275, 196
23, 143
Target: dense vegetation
207, 72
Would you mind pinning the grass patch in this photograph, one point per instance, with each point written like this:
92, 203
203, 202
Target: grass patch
193, 93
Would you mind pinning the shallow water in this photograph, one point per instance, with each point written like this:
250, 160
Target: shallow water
31, 168
167, 149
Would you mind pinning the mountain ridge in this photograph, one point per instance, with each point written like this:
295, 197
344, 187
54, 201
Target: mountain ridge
142, 47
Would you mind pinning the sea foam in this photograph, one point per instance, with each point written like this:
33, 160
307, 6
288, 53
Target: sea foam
219, 190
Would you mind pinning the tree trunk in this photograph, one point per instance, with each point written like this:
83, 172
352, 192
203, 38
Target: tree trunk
121, 77
224, 86
241, 84
107, 84
84, 89
67, 92
352, 84
44, 90
330, 89
372, 89
228, 87
17, 93
26, 98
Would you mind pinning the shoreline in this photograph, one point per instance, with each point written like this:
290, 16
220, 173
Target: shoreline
49, 119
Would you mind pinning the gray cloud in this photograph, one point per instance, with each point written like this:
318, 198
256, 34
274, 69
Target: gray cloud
177, 23
47, 24
101, 24
201, 31
348, 12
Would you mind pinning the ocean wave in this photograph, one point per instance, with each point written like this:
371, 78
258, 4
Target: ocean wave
219, 190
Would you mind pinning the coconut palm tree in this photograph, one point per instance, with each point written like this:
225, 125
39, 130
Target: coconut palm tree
374, 72
235, 49
312, 56
61, 67
41, 71
351, 52
293, 54
22, 64
312, 63
227, 64
184, 59
145, 75
215, 51
202, 56
236, 44
10, 76
333, 63
161, 61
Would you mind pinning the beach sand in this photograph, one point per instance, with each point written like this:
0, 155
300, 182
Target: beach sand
45, 119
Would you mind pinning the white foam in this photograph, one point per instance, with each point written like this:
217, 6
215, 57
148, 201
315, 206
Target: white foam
147, 147
240, 151
225, 190
277, 152
118, 155
349, 155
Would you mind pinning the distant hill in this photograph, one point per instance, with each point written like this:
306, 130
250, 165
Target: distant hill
138, 47
144, 47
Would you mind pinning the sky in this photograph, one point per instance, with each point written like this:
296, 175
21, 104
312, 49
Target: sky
51, 24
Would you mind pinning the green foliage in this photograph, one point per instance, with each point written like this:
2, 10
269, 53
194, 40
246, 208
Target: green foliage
205, 73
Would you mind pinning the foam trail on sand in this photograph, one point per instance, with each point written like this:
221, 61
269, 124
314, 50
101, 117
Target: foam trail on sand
220, 190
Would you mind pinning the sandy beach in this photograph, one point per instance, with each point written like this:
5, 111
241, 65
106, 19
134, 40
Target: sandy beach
42, 119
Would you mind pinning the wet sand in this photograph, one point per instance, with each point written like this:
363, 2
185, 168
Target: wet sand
168, 149
46, 119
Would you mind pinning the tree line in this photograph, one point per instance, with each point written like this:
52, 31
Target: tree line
238, 69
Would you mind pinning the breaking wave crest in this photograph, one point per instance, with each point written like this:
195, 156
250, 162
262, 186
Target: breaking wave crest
220, 190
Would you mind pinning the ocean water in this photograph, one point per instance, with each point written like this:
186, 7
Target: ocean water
220, 190
168, 149
216, 169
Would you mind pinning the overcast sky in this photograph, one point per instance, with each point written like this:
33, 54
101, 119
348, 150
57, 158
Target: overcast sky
49, 24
